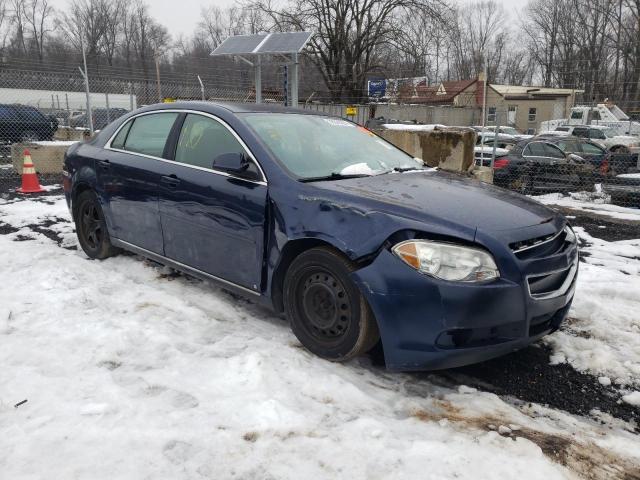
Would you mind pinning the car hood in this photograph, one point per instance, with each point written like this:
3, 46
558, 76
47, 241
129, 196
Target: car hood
625, 139
432, 195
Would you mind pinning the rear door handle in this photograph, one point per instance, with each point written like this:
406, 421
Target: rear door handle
104, 164
170, 181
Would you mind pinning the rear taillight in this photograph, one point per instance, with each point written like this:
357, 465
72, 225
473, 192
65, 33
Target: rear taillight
604, 166
500, 163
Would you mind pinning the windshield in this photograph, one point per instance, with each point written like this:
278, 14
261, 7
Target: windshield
509, 131
313, 146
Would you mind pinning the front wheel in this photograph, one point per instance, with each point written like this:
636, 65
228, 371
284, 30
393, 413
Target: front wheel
91, 227
327, 312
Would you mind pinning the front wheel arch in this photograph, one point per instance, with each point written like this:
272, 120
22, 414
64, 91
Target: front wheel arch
289, 253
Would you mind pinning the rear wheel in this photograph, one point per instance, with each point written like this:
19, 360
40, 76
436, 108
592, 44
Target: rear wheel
91, 227
327, 312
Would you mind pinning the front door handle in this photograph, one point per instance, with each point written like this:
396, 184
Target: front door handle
104, 164
171, 181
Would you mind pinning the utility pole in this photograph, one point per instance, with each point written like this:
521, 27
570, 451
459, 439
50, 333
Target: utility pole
484, 95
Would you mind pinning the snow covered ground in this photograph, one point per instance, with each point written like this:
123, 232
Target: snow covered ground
590, 202
132, 372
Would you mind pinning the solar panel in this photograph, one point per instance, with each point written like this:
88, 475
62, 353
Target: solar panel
288, 42
263, 43
240, 44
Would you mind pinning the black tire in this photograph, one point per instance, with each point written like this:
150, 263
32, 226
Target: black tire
327, 312
91, 227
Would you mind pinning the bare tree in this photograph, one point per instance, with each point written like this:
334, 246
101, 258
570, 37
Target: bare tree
349, 35
37, 14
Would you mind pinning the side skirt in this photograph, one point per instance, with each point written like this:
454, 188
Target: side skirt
220, 282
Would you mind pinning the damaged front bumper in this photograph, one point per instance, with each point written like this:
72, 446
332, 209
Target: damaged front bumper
429, 324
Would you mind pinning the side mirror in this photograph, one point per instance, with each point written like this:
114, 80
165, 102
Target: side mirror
236, 164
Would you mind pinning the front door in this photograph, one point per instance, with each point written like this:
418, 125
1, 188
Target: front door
212, 221
129, 175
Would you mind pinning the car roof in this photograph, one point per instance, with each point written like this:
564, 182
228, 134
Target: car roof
234, 107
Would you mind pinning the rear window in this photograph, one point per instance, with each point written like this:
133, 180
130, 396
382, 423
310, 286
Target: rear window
6, 113
562, 129
148, 134
30, 113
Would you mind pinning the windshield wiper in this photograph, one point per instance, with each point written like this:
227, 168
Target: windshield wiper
333, 176
406, 169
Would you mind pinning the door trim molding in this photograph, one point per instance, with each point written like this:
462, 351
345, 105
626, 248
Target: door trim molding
107, 145
181, 266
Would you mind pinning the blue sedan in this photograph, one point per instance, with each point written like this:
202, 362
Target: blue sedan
353, 239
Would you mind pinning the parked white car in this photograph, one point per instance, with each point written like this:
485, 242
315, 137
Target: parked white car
503, 131
483, 154
603, 136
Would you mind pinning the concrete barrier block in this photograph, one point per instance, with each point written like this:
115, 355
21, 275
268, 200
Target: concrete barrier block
448, 148
484, 174
48, 157
70, 134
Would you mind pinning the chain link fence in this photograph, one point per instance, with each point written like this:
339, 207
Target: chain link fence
45, 112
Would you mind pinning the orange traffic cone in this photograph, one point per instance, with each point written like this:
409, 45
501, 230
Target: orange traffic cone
30, 183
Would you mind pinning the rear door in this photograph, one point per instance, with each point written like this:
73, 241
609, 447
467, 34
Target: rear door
129, 173
212, 221
549, 167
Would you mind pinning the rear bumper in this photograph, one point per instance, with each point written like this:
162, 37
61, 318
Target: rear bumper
427, 324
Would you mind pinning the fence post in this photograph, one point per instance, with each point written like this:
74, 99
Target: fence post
201, 88
66, 97
130, 96
106, 98
158, 79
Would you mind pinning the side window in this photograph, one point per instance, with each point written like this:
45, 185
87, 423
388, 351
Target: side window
203, 139
534, 149
595, 133
30, 113
552, 151
581, 132
148, 134
592, 149
118, 141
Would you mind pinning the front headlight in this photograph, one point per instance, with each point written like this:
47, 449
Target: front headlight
447, 261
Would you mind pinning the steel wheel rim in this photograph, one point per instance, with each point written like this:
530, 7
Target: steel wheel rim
324, 306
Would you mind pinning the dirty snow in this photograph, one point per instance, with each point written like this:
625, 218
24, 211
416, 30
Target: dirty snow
130, 372
603, 333
632, 398
592, 202
415, 128
55, 143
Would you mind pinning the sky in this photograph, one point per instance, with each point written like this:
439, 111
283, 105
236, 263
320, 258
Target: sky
189, 12
181, 17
